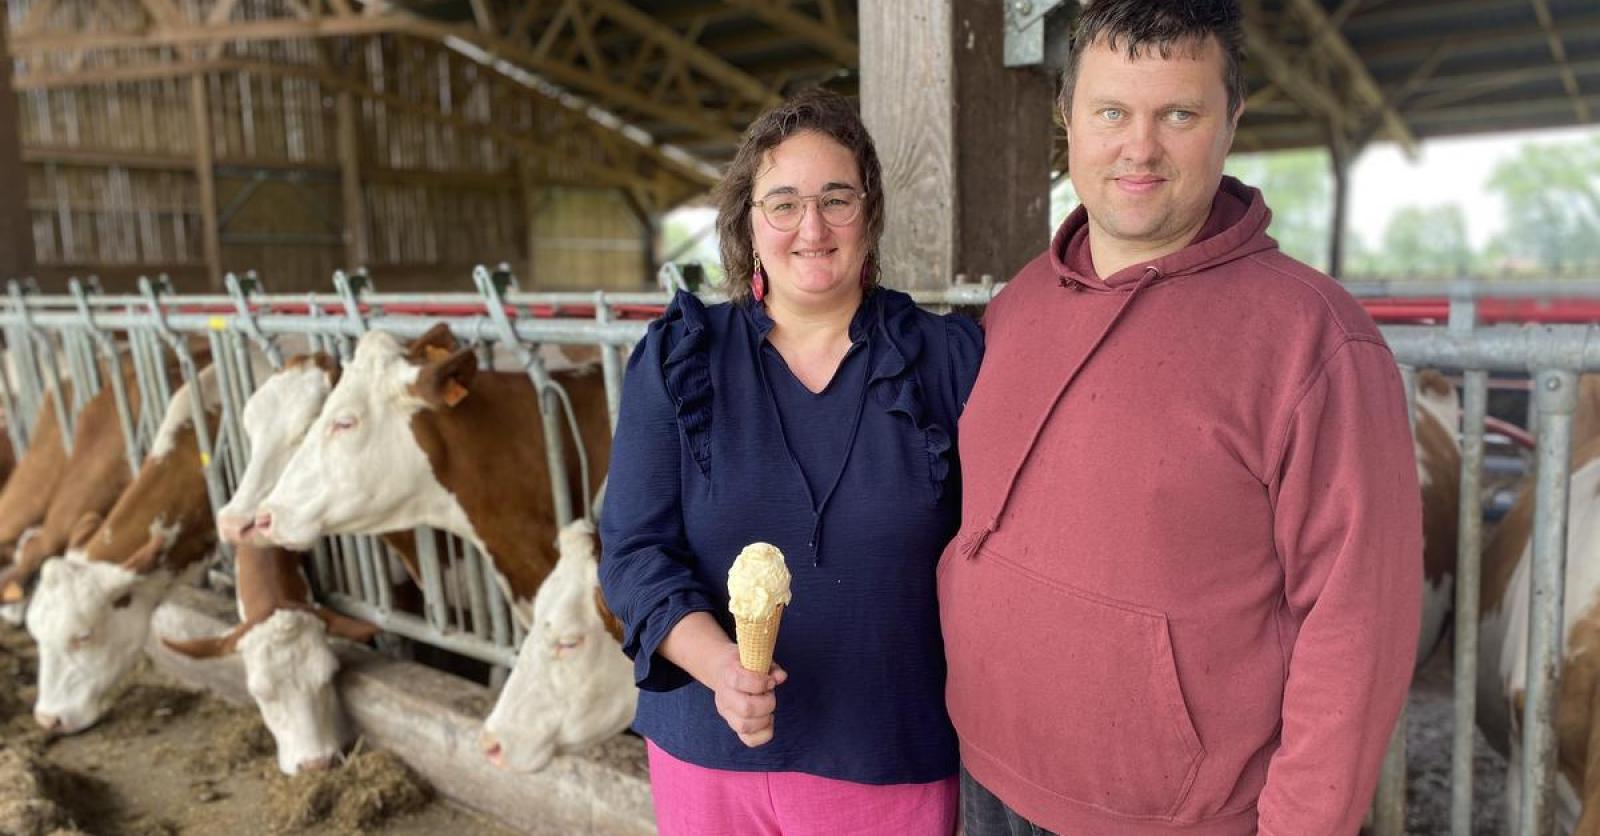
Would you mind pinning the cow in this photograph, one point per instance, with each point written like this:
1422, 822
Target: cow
418, 436
572, 687
1503, 633
27, 492
91, 612
93, 477
282, 636
1435, 427
275, 418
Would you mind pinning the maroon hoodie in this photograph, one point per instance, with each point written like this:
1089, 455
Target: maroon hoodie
1186, 591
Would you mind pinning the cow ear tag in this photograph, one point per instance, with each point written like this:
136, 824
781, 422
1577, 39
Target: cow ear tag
454, 392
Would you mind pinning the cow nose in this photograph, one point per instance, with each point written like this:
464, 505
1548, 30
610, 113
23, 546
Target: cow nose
49, 722
264, 521
322, 764
232, 527
491, 749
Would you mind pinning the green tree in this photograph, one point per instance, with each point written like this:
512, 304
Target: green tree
1552, 202
1427, 242
1298, 187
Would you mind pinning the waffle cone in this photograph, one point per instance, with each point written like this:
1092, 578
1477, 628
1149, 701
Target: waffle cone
756, 641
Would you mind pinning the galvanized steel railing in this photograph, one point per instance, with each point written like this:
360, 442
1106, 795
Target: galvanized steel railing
464, 610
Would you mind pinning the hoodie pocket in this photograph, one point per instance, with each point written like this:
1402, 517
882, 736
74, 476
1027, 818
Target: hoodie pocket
1078, 695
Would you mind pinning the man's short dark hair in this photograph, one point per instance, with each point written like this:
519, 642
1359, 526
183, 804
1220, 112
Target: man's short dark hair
1140, 26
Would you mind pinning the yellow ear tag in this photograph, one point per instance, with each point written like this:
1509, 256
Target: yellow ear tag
217, 323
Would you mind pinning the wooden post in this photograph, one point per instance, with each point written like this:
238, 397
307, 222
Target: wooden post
530, 215
16, 227
964, 142
356, 253
205, 174
1339, 157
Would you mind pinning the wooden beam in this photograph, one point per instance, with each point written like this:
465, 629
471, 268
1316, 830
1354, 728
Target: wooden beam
200, 34
818, 35
1326, 35
357, 253
982, 209
16, 222
1558, 51
205, 175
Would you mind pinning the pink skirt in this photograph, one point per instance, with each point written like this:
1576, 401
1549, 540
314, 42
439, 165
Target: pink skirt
695, 801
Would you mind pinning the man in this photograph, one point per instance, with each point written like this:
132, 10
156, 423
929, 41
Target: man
1185, 596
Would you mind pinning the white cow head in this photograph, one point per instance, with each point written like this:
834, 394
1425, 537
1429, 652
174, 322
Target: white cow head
361, 469
90, 619
289, 670
572, 686
276, 418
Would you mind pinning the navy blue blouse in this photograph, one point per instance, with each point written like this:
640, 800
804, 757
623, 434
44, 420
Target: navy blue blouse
710, 456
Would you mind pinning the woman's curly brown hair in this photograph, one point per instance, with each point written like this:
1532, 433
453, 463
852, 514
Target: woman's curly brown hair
816, 110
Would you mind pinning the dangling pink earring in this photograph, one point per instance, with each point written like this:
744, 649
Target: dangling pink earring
758, 282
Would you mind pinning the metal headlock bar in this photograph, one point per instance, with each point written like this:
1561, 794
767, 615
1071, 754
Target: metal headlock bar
464, 608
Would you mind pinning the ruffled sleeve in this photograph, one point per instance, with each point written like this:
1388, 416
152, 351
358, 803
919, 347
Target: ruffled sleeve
645, 562
686, 372
953, 346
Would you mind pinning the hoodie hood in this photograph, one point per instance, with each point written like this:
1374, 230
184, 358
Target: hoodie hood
1236, 228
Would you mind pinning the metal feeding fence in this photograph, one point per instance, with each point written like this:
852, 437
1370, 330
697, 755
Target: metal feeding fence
52, 338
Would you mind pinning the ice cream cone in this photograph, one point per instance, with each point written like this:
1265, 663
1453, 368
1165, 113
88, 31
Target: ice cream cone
756, 641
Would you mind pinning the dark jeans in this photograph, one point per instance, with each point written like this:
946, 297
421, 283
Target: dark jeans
982, 814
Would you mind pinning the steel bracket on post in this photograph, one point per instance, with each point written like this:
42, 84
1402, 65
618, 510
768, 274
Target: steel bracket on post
350, 286
108, 348
152, 292
493, 288
1038, 33
240, 290
37, 339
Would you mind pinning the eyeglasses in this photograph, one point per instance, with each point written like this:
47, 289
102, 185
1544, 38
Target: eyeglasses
839, 207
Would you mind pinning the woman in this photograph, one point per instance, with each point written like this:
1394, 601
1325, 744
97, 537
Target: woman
815, 411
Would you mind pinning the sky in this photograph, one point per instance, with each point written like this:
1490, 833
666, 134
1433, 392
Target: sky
1445, 171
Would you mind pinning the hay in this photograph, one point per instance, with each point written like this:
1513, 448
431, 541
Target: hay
39, 799
240, 739
367, 790
142, 709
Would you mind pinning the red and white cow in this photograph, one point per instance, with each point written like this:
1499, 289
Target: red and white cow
572, 686
420, 436
1503, 634
27, 493
91, 612
93, 478
282, 636
275, 419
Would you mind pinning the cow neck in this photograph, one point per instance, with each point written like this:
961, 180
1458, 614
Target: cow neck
33, 481
269, 579
488, 452
172, 489
96, 474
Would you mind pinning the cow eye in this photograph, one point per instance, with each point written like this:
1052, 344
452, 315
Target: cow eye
122, 601
80, 640
342, 423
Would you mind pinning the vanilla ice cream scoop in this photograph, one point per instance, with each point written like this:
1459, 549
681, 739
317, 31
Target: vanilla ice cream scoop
758, 583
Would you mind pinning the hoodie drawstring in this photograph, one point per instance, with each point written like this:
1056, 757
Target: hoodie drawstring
974, 540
